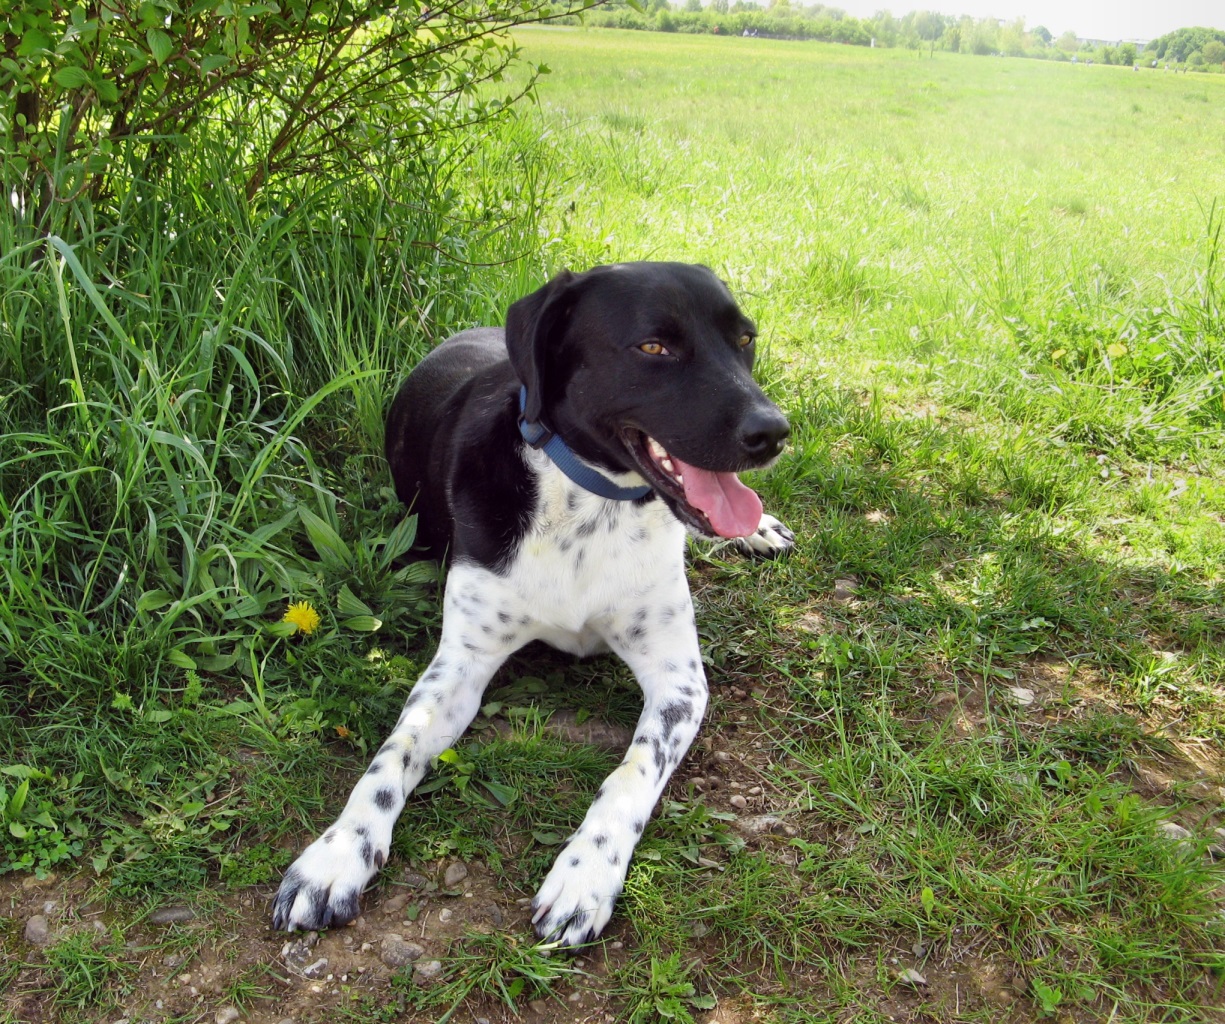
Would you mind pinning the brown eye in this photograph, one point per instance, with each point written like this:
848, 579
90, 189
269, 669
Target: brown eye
746, 340
652, 348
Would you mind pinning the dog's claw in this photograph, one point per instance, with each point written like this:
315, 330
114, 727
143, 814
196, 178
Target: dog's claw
322, 888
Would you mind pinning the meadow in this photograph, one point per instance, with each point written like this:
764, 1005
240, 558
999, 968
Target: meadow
963, 759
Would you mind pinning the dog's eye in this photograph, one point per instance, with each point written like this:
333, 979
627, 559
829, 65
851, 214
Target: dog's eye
746, 340
653, 348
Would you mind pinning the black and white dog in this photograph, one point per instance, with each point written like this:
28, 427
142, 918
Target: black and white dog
558, 465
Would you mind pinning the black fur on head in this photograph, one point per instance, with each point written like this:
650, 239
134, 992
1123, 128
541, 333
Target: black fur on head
530, 325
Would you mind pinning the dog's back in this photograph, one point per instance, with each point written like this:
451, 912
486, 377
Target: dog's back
426, 429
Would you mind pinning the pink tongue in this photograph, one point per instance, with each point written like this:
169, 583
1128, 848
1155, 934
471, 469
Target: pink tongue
733, 509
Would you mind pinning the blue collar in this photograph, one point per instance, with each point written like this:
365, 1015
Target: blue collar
540, 437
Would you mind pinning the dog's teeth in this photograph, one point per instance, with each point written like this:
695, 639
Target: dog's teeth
656, 448
666, 464
680, 478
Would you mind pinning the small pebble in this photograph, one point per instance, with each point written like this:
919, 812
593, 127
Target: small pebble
456, 873
315, 969
911, 977
38, 931
445, 915
738, 801
845, 589
172, 915
428, 972
1022, 696
395, 904
398, 953
227, 1015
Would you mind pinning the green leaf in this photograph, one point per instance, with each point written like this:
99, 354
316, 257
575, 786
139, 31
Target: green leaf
179, 659
399, 540
70, 77
504, 795
151, 600
160, 45
18, 800
363, 623
325, 540
108, 91
213, 62
18, 830
348, 604
33, 40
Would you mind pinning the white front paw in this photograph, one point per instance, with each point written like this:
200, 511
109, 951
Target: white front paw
321, 888
577, 898
771, 539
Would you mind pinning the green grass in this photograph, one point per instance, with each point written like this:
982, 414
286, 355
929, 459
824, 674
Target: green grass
991, 299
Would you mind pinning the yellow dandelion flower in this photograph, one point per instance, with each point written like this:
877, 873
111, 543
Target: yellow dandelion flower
302, 616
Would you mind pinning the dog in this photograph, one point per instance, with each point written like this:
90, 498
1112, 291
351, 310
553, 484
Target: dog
557, 465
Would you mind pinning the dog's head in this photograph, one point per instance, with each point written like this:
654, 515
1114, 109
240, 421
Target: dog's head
647, 368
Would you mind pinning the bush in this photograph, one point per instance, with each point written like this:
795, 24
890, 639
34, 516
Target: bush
91, 97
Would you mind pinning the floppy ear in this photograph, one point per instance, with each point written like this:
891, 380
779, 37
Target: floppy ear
530, 324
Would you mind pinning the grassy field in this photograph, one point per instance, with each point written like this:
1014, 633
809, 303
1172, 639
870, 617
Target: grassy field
964, 755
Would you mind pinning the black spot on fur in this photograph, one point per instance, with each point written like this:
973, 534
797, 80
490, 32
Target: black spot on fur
639, 826
503, 617
600, 841
508, 638
615, 859
362, 831
367, 853
374, 768
587, 528
384, 799
674, 714
564, 545
661, 762
693, 665
642, 740
634, 634
575, 861
405, 761
571, 501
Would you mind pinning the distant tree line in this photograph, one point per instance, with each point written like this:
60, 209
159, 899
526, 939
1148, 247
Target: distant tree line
1198, 49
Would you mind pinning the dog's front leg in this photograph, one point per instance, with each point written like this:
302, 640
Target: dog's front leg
322, 886
576, 900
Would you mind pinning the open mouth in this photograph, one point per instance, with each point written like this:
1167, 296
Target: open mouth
715, 504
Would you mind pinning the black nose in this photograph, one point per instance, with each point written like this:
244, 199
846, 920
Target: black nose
763, 432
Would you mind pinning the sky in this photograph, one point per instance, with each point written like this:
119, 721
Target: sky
1089, 19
